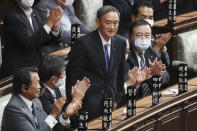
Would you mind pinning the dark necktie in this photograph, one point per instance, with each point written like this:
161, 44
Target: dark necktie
142, 62
34, 115
106, 56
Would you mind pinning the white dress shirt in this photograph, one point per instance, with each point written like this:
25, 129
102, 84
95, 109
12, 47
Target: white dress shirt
104, 43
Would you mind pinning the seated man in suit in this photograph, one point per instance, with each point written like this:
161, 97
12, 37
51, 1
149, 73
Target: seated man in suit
26, 36
143, 9
143, 55
52, 76
25, 112
67, 20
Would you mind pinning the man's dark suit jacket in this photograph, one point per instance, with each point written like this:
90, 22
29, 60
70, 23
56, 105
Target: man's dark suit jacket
86, 59
47, 98
23, 45
125, 9
18, 117
145, 87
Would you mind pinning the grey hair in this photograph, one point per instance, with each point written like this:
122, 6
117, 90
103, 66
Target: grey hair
105, 9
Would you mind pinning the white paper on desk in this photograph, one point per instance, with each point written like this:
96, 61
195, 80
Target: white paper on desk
170, 92
65, 52
124, 111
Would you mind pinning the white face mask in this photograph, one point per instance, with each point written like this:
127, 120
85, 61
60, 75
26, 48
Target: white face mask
142, 45
151, 22
69, 2
61, 82
27, 3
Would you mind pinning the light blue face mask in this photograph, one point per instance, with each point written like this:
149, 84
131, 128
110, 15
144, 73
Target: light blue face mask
142, 45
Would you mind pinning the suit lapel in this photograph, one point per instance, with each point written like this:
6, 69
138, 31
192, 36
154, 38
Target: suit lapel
25, 110
99, 51
149, 57
24, 19
38, 113
113, 54
34, 22
133, 58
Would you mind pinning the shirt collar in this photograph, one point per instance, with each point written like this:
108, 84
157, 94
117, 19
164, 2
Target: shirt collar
139, 53
27, 102
27, 12
103, 40
51, 90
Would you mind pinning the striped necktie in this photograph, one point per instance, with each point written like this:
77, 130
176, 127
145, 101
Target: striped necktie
142, 62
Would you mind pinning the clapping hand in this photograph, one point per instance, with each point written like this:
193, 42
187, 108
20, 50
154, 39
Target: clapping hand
156, 67
161, 40
136, 76
53, 18
72, 108
80, 88
57, 106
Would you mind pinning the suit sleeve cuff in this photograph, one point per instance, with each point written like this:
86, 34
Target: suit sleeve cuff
47, 29
55, 33
51, 121
63, 121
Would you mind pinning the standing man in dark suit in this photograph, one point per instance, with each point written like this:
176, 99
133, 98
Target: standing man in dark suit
24, 111
25, 36
142, 55
99, 56
67, 20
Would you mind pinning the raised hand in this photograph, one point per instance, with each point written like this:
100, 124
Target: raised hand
80, 88
72, 108
161, 40
132, 74
156, 67
57, 106
143, 75
53, 18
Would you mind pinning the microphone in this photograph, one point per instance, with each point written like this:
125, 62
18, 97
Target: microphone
190, 67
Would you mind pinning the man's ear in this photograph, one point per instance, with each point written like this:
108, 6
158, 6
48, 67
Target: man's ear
53, 79
133, 17
24, 88
97, 22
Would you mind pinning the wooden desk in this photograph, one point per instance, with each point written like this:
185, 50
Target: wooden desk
176, 113
62, 53
162, 23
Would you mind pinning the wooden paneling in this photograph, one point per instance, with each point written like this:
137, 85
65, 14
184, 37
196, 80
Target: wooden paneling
171, 120
175, 113
191, 116
149, 125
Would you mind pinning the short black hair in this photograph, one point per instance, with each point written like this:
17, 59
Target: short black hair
141, 3
50, 65
137, 22
22, 76
104, 10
